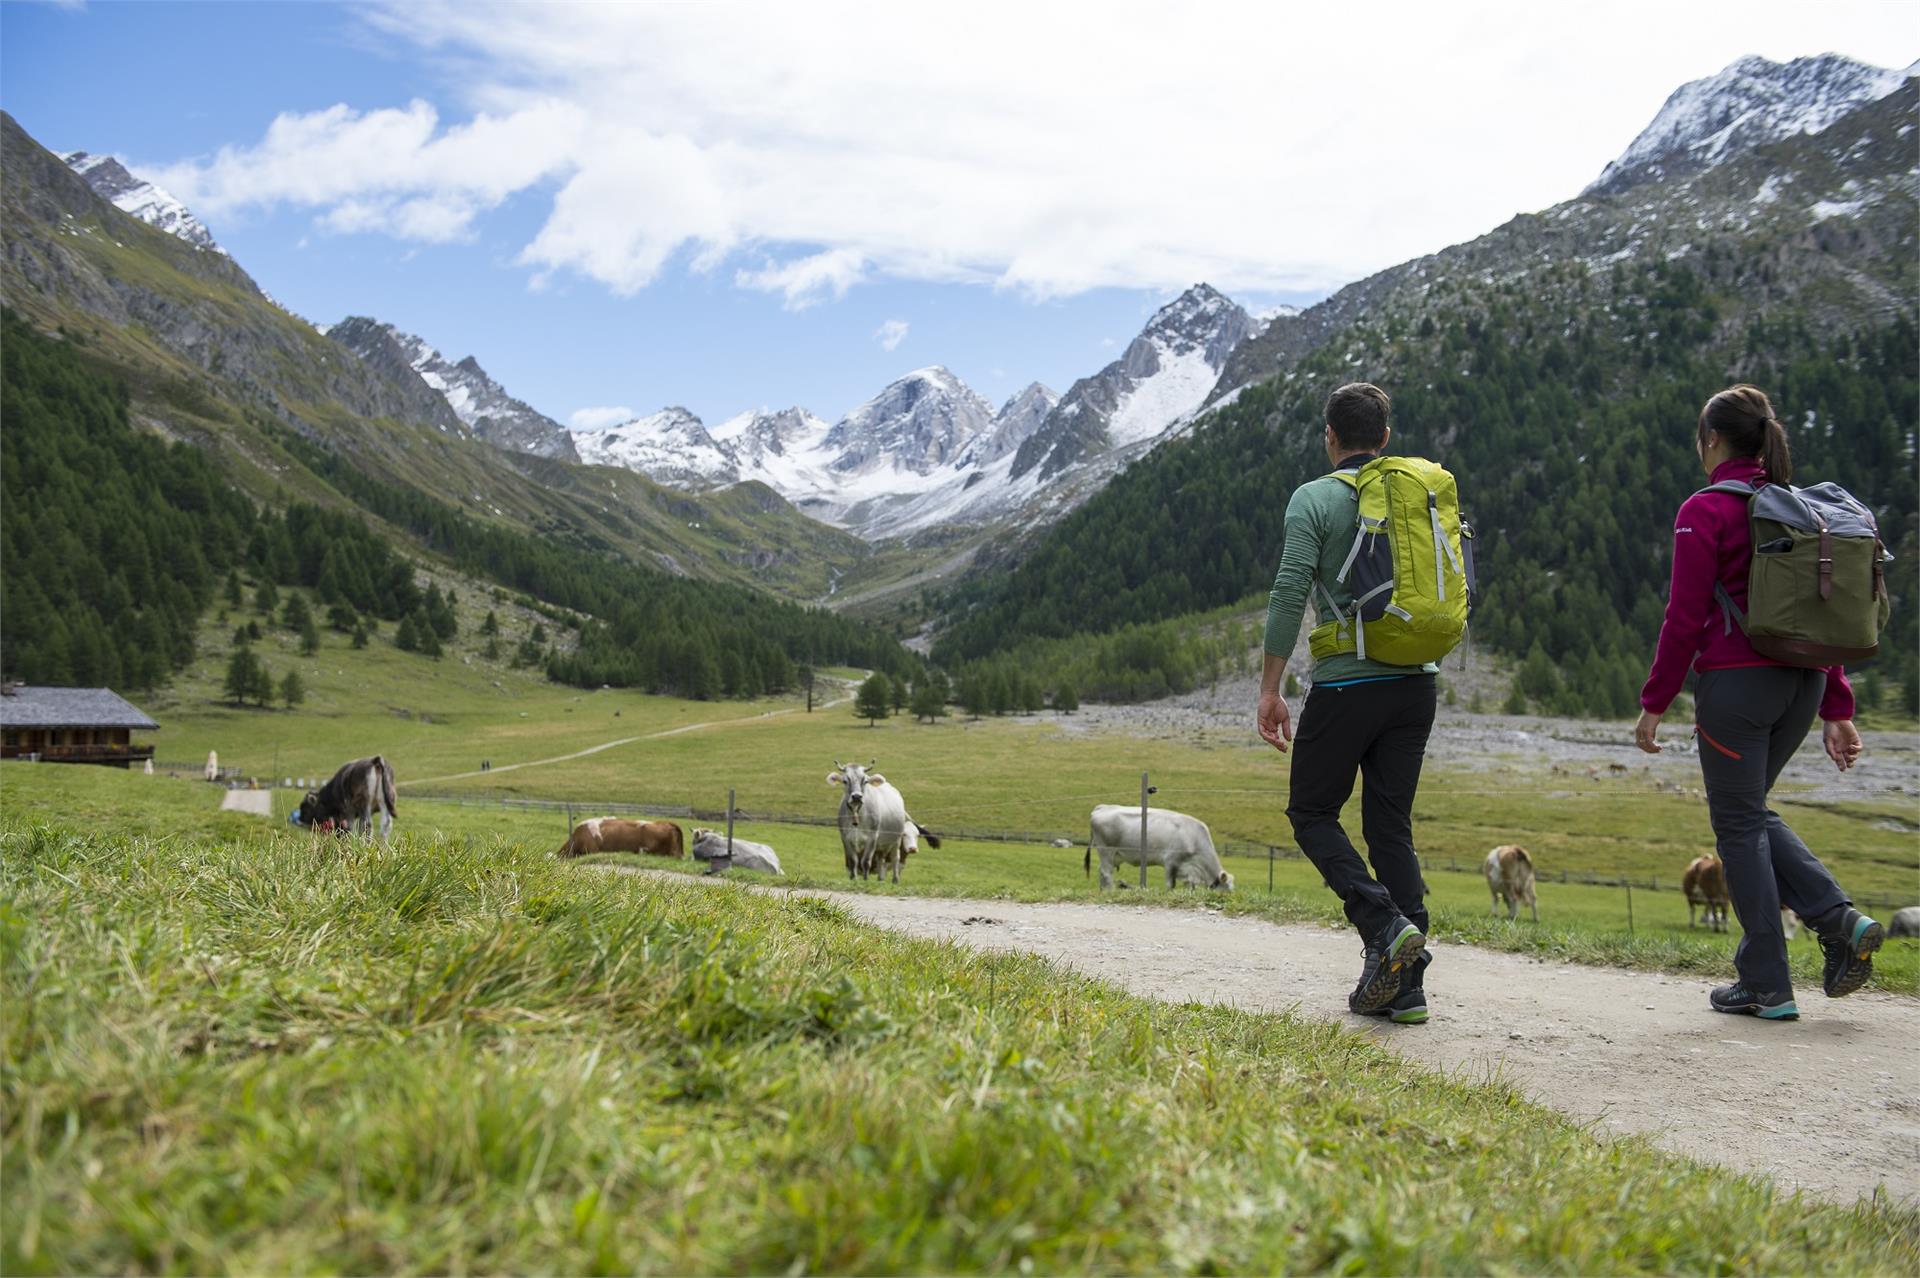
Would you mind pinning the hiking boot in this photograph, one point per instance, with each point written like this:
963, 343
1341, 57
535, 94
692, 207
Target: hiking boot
1740, 1000
1849, 942
1385, 966
1410, 1008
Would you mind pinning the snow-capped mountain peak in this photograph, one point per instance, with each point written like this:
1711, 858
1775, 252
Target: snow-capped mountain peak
917, 423
482, 404
1748, 104
1161, 378
672, 446
1013, 425
142, 199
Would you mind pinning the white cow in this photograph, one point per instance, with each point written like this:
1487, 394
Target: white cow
1905, 922
1180, 843
873, 820
711, 846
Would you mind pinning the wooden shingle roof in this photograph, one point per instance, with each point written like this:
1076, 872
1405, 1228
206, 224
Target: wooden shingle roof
30, 707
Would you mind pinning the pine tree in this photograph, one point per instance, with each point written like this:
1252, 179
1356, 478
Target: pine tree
309, 637
491, 626
407, 636
492, 651
929, 699
292, 691
360, 635
1031, 698
240, 674
1516, 700
295, 614
897, 694
266, 598
262, 689
1066, 698
872, 701
234, 595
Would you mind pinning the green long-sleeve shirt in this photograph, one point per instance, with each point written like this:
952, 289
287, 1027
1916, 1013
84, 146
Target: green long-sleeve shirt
1319, 531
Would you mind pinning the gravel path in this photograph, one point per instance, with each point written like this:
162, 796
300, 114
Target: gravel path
1829, 1104
257, 802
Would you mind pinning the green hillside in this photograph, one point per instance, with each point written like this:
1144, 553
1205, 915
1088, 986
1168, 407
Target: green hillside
207, 358
1562, 388
115, 544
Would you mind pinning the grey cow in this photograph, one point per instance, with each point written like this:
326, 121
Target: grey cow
1181, 844
711, 846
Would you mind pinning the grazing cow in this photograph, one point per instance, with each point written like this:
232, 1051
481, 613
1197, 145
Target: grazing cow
351, 797
1905, 922
616, 834
711, 846
1180, 843
1705, 884
1509, 872
872, 820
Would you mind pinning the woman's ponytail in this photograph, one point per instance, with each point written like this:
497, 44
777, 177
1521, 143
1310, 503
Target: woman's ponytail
1743, 416
1774, 454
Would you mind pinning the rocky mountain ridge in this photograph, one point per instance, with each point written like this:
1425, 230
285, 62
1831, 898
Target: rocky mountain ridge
1747, 104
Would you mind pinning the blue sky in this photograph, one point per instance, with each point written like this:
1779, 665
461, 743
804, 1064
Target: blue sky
726, 207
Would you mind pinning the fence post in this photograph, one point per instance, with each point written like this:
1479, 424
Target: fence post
1144, 791
729, 827
1269, 869
1629, 883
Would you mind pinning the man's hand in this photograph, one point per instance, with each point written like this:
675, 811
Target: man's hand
1842, 741
1276, 721
1643, 732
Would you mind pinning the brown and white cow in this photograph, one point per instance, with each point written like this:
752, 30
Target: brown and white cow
1509, 873
1705, 884
352, 796
617, 834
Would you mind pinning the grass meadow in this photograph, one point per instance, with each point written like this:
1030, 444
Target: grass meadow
1578, 923
234, 1048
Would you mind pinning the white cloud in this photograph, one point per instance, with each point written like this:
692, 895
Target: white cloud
1047, 149
891, 334
600, 416
807, 280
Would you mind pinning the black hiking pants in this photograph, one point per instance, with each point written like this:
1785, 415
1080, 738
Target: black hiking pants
1750, 721
1379, 732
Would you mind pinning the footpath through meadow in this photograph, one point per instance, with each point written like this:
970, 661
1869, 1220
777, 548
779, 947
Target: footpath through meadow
1829, 1104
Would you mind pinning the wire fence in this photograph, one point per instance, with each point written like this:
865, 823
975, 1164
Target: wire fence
1271, 853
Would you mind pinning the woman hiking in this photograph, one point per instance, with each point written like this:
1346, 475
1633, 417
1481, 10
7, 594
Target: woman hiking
1751, 713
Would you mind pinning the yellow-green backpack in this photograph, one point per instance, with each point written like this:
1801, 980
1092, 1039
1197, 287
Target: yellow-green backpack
1410, 570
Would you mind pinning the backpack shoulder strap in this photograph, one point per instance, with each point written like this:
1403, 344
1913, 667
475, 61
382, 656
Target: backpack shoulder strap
1738, 487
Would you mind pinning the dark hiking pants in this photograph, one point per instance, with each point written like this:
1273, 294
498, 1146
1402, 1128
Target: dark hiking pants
1750, 721
1378, 731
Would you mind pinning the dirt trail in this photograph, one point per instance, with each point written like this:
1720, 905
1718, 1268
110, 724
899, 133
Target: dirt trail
608, 745
1828, 1104
256, 802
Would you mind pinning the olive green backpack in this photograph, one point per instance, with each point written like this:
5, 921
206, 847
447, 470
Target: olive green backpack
1817, 590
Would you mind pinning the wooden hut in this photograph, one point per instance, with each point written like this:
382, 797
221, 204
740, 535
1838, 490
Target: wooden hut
71, 725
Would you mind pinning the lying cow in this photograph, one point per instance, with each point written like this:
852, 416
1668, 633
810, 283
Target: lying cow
711, 846
1705, 885
1509, 872
616, 834
873, 822
1905, 921
351, 798
1180, 843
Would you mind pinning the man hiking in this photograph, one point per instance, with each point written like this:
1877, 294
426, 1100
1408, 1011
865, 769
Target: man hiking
1372, 702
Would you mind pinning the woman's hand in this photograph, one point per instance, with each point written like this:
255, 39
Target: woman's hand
1643, 732
1842, 740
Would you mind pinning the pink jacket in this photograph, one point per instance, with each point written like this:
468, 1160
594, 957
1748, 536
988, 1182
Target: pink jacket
1712, 543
